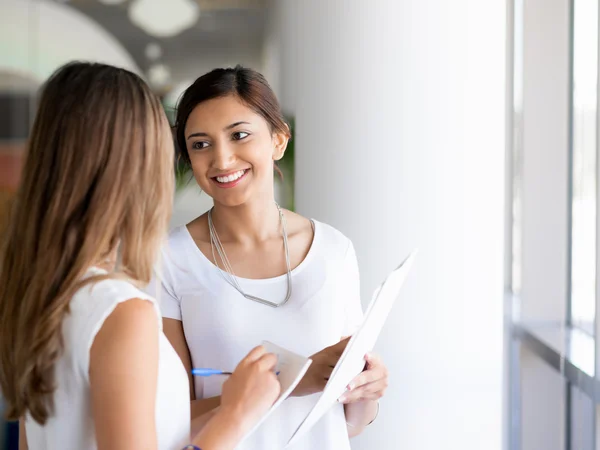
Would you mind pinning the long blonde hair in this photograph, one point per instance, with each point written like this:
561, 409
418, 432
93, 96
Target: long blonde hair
98, 175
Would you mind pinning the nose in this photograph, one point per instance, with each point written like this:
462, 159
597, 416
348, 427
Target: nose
223, 157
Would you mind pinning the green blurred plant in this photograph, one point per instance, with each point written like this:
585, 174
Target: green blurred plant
286, 165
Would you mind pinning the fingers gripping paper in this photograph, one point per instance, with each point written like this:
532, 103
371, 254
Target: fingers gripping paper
352, 361
290, 368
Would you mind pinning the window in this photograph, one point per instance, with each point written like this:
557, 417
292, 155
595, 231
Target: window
583, 163
555, 352
517, 150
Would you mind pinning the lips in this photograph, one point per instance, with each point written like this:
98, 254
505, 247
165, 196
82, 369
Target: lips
230, 180
231, 177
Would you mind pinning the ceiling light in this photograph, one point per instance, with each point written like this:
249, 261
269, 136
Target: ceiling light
162, 18
153, 51
159, 75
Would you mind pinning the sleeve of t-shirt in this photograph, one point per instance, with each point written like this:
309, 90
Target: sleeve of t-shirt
161, 288
350, 283
104, 296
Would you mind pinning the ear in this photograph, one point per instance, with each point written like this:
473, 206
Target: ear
280, 140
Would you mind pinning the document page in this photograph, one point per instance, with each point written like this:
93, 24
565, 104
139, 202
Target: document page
352, 361
291, 368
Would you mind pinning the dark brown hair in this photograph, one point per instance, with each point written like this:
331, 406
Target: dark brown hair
246, 84
98, 173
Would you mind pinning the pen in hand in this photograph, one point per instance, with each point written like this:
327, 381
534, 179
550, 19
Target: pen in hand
210, 372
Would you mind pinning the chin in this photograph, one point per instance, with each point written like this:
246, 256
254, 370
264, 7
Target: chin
230, 200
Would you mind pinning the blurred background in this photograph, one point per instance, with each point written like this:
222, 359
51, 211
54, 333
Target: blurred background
468, 129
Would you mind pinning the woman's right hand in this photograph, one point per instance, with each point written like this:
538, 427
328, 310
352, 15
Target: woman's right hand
247, 395
320, 370
252, 388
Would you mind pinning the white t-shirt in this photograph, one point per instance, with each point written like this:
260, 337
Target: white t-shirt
71, 427
221, 326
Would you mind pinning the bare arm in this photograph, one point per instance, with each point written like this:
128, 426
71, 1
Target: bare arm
173, 329
360, 414
202, 409
22, 436
123, 377
123, 381
361, 401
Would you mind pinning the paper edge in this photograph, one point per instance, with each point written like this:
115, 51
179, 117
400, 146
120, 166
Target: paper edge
284, 395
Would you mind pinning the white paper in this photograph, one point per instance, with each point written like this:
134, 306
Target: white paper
291, 368
352, 361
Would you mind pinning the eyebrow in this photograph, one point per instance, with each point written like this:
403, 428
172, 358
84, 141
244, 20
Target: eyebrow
228, 127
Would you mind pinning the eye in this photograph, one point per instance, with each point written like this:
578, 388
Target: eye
239, 135
199, 145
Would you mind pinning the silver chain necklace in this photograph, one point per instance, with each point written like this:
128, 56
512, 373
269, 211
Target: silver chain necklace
228, 274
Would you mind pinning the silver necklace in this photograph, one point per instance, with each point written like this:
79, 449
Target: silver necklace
228, 274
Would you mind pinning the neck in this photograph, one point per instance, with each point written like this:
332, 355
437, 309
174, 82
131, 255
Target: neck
254, 221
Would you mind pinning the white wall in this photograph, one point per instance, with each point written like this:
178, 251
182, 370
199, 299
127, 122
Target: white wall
400, 143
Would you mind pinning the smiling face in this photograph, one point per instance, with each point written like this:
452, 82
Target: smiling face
232, 150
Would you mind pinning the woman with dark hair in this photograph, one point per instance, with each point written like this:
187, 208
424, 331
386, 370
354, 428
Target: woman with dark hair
248, 271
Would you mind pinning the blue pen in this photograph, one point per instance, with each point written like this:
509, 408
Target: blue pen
210, 372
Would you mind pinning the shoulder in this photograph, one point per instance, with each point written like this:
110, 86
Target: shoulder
184, 239
102, 288
177, 238
98, 298
334, 241
298, 226
177, 263
176, 250
107, 302
132, 321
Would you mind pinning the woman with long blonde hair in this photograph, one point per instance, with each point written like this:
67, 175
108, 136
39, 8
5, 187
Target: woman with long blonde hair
83, 360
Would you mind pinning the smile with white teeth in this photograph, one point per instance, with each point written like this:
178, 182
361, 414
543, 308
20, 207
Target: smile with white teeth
230, 178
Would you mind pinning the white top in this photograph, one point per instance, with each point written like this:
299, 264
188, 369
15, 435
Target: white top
221, 326
71, 427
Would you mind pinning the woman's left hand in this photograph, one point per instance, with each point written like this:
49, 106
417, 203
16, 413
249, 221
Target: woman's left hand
370, 384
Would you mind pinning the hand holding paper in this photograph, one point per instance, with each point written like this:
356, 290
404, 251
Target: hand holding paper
253, 386
291, 368
335, 367
370, 384
320, 370
352, 361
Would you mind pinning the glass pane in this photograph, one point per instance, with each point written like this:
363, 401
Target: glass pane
597, 436
583, 240
517, 146
582, 421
